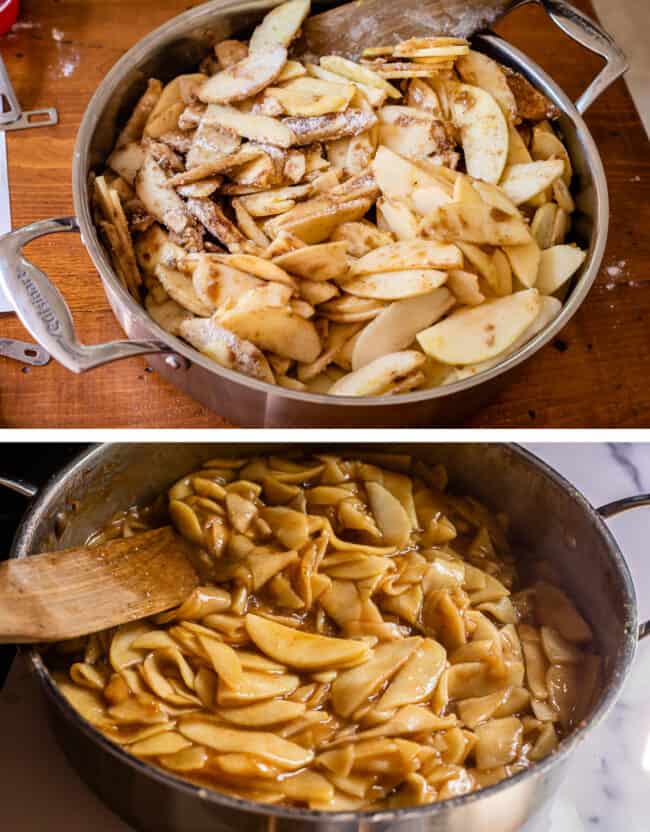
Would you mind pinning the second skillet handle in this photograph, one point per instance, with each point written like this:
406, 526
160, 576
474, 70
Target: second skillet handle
43, 310
618, 507
592, 36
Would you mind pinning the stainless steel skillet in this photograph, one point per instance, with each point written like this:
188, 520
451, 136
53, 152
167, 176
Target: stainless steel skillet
549, 518
177, 47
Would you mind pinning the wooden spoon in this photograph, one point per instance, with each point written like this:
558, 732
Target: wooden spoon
61, 595
349, 29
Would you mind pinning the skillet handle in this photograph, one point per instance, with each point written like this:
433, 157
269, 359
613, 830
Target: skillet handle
592, 36
42, 309
616, 508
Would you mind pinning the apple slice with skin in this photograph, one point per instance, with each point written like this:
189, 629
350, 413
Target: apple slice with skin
479, 333
483, 131
525, 262
297, 648
477, 69
557, 265
395, 328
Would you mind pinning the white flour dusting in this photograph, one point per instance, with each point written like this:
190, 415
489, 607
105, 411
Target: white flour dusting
636, 178
616, 269
58, 35
24, 24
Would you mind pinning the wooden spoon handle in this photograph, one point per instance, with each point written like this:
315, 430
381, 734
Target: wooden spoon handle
350, 28
65, 594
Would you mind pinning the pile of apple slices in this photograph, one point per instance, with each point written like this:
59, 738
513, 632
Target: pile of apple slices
353, 228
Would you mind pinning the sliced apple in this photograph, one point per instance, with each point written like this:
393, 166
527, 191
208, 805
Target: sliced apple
280, 26
352, 688
417, 679
523, 182
517, 151
397, 177
398, 218
307, 96
256, 266
257, 128
408, 254
465, 287
226, 348
168, 314
262, 714
477, 69
549, 310
557, 265
377, 377
546, 145
267, 746
483, 131
543, 224
303, 650
396, 285
390, 515
525, 262
473, 335
127, 160
216, 284
477, 223
160, 201
180, 287
277, 330
327, 261
245, 78
358, 73
307, 130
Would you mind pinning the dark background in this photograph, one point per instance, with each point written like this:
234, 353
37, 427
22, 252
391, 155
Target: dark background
36, 463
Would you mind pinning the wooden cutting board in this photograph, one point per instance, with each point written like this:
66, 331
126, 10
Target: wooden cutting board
594, 375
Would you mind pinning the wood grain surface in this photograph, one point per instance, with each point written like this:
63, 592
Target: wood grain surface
595, 375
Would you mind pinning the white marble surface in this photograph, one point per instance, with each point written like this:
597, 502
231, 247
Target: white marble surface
608, 785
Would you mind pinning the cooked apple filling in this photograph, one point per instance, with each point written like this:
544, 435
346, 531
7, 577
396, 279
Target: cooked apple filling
363, 639
352, 228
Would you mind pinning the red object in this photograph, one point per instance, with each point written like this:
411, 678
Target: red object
8, 14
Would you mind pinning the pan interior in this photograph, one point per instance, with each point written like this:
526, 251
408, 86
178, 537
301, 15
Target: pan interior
548, 518
178, 47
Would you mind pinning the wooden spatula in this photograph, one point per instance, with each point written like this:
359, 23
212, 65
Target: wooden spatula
349, 29
61, 595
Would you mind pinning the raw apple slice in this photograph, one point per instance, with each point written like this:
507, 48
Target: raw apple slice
280, 26
408, 254
483, 131
480, 71
549, 310
245, 78
470, 336
395, 328
557, 265
523, 182
525, 262
226, 348
396, 284
380, 376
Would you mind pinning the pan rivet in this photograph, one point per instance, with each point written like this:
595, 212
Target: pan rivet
177, 362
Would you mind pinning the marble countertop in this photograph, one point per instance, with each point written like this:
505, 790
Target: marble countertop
608, 782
